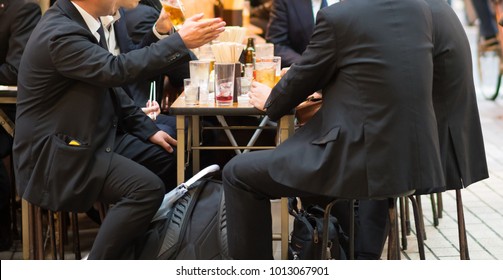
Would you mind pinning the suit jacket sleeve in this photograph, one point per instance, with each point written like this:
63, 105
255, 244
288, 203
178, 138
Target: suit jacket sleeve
132, 118
76, 56
316, 68
277, 33
21, 28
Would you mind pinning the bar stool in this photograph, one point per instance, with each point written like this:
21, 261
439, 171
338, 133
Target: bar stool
420, 228
393, 241
54, 227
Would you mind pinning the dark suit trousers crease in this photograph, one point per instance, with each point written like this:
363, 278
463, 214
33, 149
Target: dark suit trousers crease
136, 194
150, 155
248, 190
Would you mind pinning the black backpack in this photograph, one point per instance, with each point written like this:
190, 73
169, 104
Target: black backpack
194, 228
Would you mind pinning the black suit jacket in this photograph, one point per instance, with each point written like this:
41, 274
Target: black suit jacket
135, 27
454, 98
290, 27
64, 94
17, 20
376, 133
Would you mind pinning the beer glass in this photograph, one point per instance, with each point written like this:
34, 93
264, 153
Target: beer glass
175, 10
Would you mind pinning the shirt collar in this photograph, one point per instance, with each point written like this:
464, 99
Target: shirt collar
92, 23
109, 20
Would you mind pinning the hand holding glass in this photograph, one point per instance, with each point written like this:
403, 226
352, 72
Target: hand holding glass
175, 10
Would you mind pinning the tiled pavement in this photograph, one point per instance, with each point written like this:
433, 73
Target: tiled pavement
483, 201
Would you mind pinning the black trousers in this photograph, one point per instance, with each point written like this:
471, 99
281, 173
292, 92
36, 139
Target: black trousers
136, 193
152, 156
248, 190
140, 174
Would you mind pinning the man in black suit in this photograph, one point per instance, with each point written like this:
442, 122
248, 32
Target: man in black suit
375, 135
291, 25
17, 20
120, 42
140, 20
69, 108
455, 102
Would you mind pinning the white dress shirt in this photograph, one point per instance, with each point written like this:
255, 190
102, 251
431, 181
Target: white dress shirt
108, 29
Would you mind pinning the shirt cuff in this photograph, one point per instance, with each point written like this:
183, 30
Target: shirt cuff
159, 35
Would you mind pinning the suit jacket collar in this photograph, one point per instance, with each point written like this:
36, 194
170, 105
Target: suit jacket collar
121, 33
304, 10
67, 7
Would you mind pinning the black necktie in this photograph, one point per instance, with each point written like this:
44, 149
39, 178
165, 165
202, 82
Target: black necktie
103, 40
323, 4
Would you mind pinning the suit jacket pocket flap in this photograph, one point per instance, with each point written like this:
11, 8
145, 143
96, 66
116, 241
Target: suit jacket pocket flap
332, 135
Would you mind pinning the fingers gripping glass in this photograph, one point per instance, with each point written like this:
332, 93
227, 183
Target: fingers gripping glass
176, 12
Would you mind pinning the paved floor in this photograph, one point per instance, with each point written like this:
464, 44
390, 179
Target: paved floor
483, 201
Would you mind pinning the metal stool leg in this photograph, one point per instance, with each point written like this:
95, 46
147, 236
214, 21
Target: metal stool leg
421, 216
419, 229
61, 237
52, 235
403, 226
463, 242
76, 237
434, 210
393, 246
440, 205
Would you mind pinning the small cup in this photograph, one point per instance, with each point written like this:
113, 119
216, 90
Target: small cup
191, 91
245, 85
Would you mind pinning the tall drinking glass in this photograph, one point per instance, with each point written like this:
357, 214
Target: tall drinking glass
224, 83
200, 75
175, 10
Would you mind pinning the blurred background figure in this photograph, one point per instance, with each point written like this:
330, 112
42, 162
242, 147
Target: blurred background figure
17, 20
487, 24
291, 25
260, 13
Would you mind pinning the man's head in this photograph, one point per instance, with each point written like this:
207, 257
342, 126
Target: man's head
97, 8
127, 4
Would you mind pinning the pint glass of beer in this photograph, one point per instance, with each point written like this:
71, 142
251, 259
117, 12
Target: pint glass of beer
175, 10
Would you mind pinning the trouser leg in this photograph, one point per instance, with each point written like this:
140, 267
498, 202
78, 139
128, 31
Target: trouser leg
150, 155
248, 190
136, 194
487, 23
372, 229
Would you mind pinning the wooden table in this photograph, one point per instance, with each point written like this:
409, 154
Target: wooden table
193, 113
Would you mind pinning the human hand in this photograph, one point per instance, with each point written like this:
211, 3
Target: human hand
163, 139
258, 95
163, 25
196, 32
152, 109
